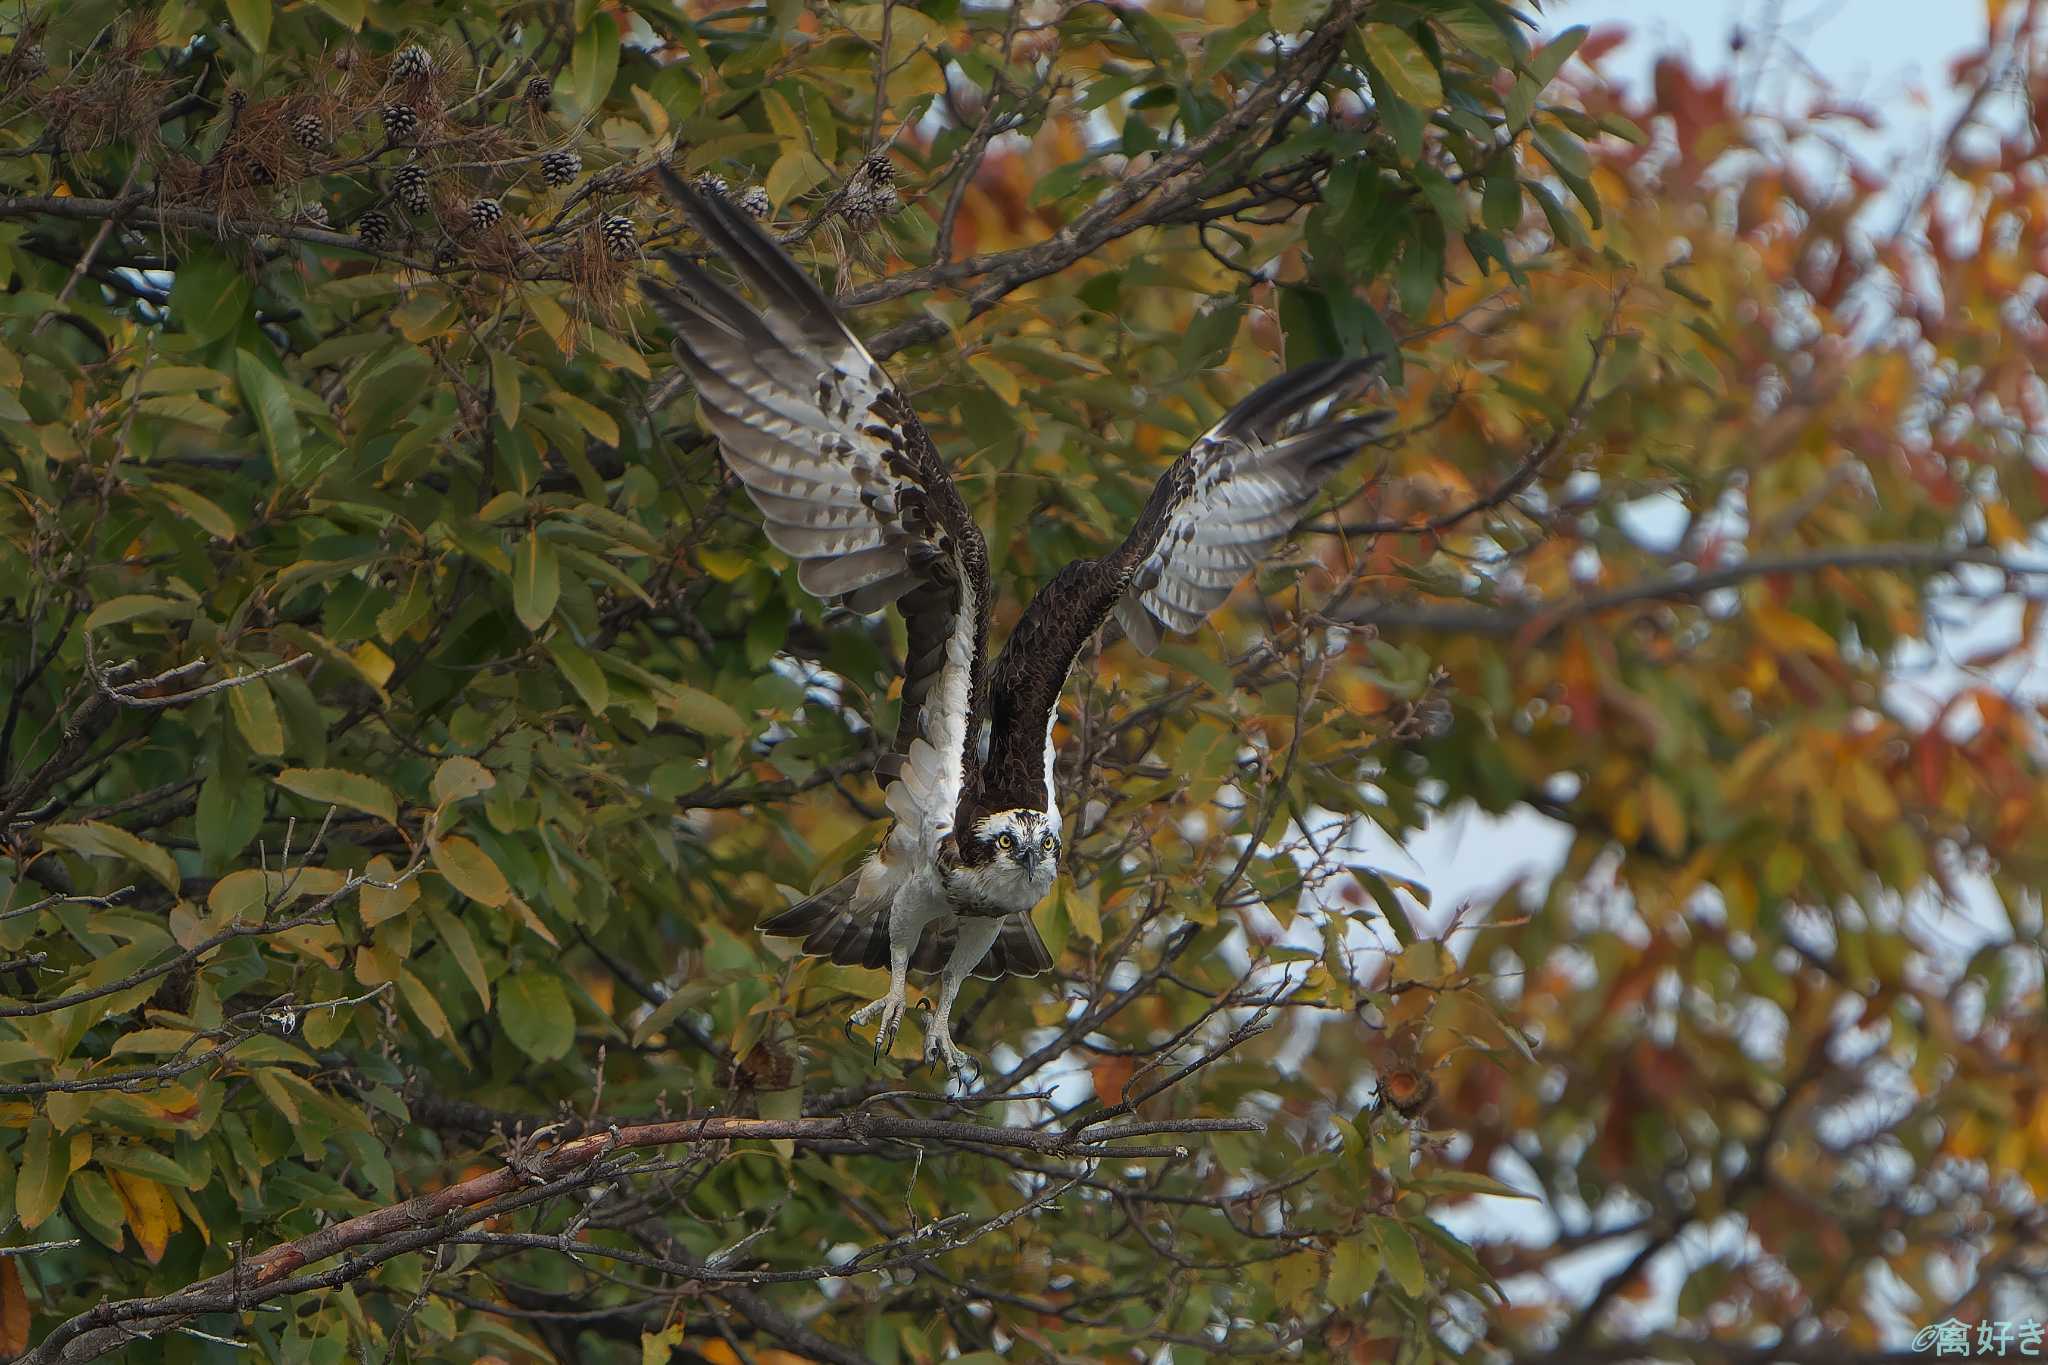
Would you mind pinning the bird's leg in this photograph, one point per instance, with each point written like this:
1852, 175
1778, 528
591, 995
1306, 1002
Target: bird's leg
905, 925
970, 945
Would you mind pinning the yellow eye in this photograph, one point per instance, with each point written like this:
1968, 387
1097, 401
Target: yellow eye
1047, 843
1004, 841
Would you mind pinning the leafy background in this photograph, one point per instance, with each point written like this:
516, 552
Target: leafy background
405, 722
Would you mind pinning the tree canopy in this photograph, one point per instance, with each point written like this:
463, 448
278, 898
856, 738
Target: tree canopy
403, 721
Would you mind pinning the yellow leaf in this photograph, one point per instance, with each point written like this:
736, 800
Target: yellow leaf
1791, 633
652, 112
1665, 816
379, 904
998, 377
533, 921
151, 1216
1084, 909
724, 565
423, 1004
470, 870
460, 777
374, 663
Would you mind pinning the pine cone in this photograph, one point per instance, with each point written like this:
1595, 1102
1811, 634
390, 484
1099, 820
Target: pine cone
409, 187
412, 63
399, 121
310, 131
867, 204
30, 60
313, 215
871, 196
754, 200
621, 241
446, 255
485, 212
238, 100
713, 184
559, 168
373, 228
540, 92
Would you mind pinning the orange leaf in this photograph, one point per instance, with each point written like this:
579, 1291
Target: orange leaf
1111, 1074
13, 1311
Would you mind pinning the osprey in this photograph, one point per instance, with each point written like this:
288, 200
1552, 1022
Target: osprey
850, 486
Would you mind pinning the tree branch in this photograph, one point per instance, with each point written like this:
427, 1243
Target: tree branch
1535, 622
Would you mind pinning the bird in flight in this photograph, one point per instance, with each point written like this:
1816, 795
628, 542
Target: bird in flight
850, 486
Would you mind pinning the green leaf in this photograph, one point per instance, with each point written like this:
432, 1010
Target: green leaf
1465, 1182
98, 839
252, 21
45, 1169
589, 416
505, 387
336, 787
255, 712
536, 1013
704, 713
594, 61
210, 516
1545, 65
271, 404
1406, 68
1404, 1260
230, 812
1564, 224
461, 945
688, 996
583, 674
536, 581
470, 870
138, 607
210, 295
1353, 1270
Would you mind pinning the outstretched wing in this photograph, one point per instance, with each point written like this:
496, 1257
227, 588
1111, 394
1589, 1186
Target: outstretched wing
847, 481
1215, 513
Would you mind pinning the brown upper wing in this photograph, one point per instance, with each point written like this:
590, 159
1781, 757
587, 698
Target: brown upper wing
846, 478
1216, 512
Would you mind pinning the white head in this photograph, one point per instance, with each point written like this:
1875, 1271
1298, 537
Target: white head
1010, 859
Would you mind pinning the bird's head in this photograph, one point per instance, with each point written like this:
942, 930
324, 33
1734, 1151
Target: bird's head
1010, 857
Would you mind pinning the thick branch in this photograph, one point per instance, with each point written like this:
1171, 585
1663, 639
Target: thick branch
431, 1218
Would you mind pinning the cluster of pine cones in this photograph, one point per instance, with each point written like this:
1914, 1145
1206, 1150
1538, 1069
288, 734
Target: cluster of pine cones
422, 198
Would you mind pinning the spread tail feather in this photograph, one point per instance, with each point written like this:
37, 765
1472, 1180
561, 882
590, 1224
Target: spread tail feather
833, 926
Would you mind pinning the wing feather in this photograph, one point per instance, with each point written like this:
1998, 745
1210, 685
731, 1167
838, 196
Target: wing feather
1216, 512
847, 481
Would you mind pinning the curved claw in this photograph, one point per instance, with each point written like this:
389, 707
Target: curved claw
890, 1008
